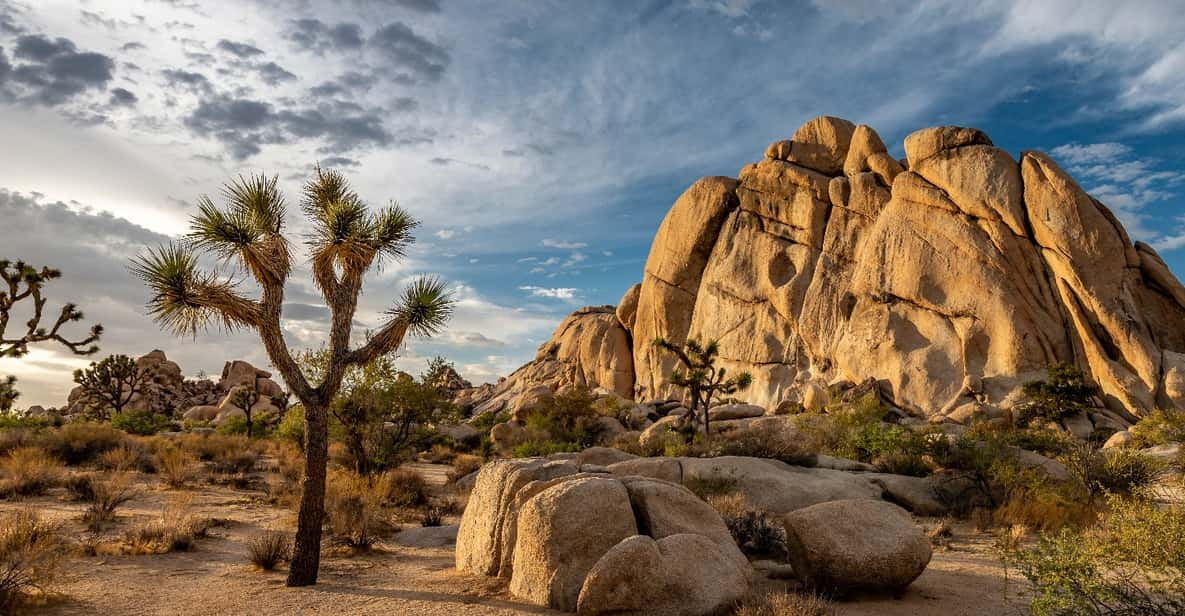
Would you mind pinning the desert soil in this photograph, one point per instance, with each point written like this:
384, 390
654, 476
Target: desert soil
216, 578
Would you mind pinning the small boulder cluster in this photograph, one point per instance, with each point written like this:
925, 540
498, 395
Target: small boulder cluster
602, 532
241, 383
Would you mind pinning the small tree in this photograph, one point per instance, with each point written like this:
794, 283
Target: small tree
439, 373
346, 241
23, 282
1065, 393
109, 385
380, 411
245, 397
699, 375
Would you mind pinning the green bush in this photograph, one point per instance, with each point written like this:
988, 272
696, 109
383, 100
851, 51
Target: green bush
1119, 471
1064, 393
81, 442
1159, 428
537, 448
1133, 562
570, 418
291, 426
238, 425
143, 423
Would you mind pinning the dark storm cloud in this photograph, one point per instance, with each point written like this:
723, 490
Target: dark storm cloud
52, 71
123, 98
243, 125
175, 77
424, 6
339, 161
273, 74
422, 59
5, 70
240, 50
318, 37
132, 46
345, 83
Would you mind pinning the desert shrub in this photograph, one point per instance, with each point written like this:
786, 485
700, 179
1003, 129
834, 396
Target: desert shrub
291, 426
81, 442
785, 604
776, 445
405, 488
463, 465
225, 454
80, 487
568, 419
1120, 471
536, 448
14, 437
486, 421
1040, 504
126, 457
30, 554
440, 454
1064, 393
269, 548
755, 532
175, 530
432, 516
176, 466
260, 426
1160, 427
29, 471
143, 423
1133, 562
354, 505
108, 495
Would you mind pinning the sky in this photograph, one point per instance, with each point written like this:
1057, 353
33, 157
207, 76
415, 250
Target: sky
540, 142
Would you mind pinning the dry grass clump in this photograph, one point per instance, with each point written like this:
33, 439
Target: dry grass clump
440, 454
126, 457
177, 467
81, 442
176, 530
12, 438
29, 471
405, 488
30, 552
81, 487
283, 486
107, 496
463, 465
784, 445
785, 604
269, 548
354, 504
756, 533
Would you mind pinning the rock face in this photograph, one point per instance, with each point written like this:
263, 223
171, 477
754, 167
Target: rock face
856, 545
599, 542
950, 280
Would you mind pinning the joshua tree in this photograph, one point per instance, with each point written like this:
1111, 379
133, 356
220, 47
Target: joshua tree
109, 385
698, 374
8, 393
25, 282
245, 397
345, 242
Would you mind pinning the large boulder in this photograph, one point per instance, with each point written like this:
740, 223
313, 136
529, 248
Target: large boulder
678, 575
860, 545
561, 533
777, 487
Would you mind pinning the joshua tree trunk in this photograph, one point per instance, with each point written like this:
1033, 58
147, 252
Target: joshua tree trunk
306, 555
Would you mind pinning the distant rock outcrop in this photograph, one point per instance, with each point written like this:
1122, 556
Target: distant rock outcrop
949, 279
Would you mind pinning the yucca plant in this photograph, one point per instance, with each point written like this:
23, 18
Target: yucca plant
346, 241
701, 378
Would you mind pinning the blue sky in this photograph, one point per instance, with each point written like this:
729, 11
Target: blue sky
541, 142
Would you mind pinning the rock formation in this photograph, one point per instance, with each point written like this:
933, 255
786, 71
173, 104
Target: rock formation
949, 279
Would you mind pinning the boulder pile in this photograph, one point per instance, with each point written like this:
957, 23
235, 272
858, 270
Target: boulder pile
604, 532
948, 278
596, 543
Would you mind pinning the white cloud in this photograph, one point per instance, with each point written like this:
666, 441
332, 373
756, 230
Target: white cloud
446, 234
564, 293
562, 244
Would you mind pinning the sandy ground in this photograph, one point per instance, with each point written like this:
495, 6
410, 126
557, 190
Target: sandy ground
216, 578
